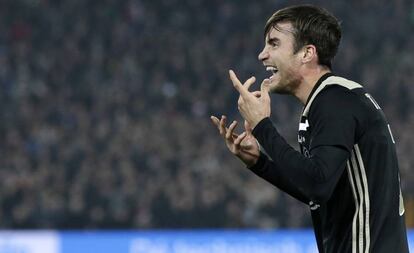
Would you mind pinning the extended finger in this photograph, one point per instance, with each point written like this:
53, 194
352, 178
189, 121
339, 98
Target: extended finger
229, 132
238, 85
249, 82
240, 139
222, 127
215, 121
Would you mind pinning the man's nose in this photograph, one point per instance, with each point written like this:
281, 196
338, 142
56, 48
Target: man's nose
263, 55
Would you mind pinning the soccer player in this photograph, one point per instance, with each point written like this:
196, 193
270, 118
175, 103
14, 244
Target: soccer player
347, 170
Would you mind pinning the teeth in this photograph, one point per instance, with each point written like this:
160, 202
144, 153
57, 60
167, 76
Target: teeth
269, 68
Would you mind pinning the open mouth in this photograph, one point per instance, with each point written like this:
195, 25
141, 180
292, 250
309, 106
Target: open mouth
272, 69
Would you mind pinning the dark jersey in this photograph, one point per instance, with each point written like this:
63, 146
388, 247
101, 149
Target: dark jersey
347, 170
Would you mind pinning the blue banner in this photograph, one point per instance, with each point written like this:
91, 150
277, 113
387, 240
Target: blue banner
171, 241
191, 242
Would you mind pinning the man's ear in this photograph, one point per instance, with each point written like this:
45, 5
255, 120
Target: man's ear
309, 53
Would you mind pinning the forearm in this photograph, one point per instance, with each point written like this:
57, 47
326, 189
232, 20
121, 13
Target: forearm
270, 171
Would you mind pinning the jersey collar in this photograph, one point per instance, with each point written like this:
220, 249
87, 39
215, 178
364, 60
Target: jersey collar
318, 83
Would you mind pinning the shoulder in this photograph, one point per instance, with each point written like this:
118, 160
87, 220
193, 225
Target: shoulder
335, 99
334, 90
333, 118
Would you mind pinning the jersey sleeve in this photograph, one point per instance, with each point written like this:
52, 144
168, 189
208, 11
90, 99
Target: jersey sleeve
270, 171
332, 138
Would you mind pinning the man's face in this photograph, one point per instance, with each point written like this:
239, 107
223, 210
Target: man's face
277, 56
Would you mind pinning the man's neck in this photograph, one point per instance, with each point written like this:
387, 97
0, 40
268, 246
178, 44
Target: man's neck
308, 82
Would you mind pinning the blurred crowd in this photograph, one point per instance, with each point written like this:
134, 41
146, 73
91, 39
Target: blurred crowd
105, 109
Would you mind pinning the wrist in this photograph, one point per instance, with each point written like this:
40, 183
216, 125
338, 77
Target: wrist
260, 161
251, 162
255, 124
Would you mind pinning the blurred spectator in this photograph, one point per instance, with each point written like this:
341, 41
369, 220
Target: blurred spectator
105, 109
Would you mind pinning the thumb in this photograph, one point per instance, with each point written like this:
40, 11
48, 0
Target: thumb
247, 127
265, 88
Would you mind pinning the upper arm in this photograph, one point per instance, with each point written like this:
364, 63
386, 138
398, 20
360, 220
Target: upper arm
334, 120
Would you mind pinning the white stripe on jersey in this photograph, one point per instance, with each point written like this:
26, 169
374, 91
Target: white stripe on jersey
373, 101
389, 130
351, 181
357, 177
361, 206
367, 204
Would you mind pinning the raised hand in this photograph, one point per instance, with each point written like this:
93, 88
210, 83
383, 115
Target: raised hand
253, 106
244, 146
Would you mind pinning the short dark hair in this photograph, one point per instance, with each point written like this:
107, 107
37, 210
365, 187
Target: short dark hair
312, 25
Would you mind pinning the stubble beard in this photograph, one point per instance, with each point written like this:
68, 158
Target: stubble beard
286, 85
